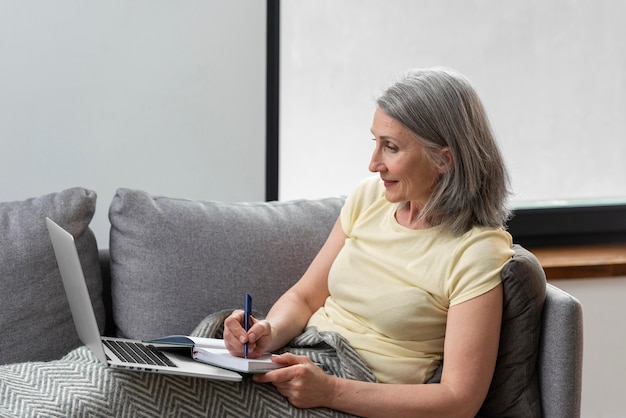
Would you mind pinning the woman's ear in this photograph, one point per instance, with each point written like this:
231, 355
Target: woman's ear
445, 161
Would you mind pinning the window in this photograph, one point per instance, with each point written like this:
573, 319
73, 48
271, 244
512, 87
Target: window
551, 75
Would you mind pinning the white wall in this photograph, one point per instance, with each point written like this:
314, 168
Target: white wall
604, 335
551, 74
159, 95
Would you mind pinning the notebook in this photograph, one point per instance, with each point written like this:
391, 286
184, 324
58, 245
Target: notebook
213, 351
120, 353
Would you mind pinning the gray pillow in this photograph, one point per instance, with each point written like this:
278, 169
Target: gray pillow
35, 320
514, 390
173, 261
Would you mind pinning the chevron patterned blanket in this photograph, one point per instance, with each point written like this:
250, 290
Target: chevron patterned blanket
78, 385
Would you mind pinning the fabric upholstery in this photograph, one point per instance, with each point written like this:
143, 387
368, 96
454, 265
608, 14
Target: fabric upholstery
514, 390
35, 320
173, 261
561, 355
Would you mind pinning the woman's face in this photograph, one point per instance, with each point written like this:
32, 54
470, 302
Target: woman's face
401, 160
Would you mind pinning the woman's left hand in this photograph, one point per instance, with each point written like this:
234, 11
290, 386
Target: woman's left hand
303, 383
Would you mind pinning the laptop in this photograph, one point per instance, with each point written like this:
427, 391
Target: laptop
119, 353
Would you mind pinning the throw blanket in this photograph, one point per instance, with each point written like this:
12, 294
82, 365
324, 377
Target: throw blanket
78, 385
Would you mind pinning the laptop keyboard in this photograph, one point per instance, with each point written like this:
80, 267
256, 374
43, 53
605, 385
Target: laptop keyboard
138, 353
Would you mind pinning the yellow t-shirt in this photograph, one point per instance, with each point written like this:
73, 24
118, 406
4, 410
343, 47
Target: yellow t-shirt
391, 286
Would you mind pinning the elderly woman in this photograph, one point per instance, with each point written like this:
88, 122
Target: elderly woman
410, 273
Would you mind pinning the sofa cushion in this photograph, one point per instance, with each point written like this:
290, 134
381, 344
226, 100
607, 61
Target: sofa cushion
35, 320
173, 261
514, 390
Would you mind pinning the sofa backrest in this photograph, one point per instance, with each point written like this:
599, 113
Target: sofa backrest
174, 261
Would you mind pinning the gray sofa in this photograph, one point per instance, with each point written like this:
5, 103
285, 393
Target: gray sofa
171, 262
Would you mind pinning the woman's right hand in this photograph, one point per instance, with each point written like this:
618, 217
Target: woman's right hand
291, 313
258, 336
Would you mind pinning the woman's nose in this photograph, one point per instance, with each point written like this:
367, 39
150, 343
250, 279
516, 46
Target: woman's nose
376, 165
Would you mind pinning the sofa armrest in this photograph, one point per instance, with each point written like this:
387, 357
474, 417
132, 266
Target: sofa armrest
561, 355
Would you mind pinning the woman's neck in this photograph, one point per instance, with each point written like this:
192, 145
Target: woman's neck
408, 215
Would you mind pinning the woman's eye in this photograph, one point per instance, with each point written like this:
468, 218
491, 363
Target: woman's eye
388, 145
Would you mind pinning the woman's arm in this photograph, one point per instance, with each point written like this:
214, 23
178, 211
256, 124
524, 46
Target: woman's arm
292, 311
470, 352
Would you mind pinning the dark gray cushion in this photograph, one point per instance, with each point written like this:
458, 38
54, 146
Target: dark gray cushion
514, 390
35, 321
174, 261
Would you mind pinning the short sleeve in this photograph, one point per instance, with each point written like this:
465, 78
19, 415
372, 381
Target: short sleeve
477, 263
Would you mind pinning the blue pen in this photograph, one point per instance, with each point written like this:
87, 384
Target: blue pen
246, 320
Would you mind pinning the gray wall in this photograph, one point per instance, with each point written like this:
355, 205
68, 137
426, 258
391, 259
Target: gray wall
159, 95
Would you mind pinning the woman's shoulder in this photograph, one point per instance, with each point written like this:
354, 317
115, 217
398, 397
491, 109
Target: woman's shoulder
480, 233
368, 193
486, 242
371, 188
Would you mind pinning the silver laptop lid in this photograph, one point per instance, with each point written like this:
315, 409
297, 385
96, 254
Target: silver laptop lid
76, 289
85, 319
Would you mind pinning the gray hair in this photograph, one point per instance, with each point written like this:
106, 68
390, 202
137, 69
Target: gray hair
442, 109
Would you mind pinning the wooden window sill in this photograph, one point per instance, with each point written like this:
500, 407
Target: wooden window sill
583, 261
